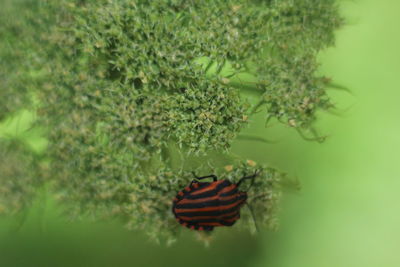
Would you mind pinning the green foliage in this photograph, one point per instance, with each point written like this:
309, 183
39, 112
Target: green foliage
130, 111
20, 176
21, 63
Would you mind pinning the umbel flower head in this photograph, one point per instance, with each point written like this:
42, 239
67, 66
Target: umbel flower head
137, 94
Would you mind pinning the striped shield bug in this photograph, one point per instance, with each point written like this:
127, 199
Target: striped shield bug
205, 205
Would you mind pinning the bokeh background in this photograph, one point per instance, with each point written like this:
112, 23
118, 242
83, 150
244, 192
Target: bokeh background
346, 213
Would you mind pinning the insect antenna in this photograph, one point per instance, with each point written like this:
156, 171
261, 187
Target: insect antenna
248, 177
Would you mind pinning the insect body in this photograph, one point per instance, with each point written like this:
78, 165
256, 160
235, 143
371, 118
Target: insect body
205, 205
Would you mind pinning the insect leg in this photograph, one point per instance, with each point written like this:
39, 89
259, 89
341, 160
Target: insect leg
204, 177
192, 182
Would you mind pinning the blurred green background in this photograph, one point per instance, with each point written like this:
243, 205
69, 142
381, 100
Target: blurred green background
346, 214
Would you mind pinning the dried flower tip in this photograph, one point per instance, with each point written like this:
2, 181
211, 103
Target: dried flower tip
251, 163
228, 168
292, 123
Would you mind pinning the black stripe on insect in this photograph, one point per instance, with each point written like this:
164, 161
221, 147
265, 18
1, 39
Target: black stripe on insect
205, 205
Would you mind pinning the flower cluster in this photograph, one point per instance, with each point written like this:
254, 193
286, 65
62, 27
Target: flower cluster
130, 106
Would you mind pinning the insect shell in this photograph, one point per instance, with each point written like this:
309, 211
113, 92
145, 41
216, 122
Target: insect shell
205, 205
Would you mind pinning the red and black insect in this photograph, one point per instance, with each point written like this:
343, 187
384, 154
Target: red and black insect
205, 205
